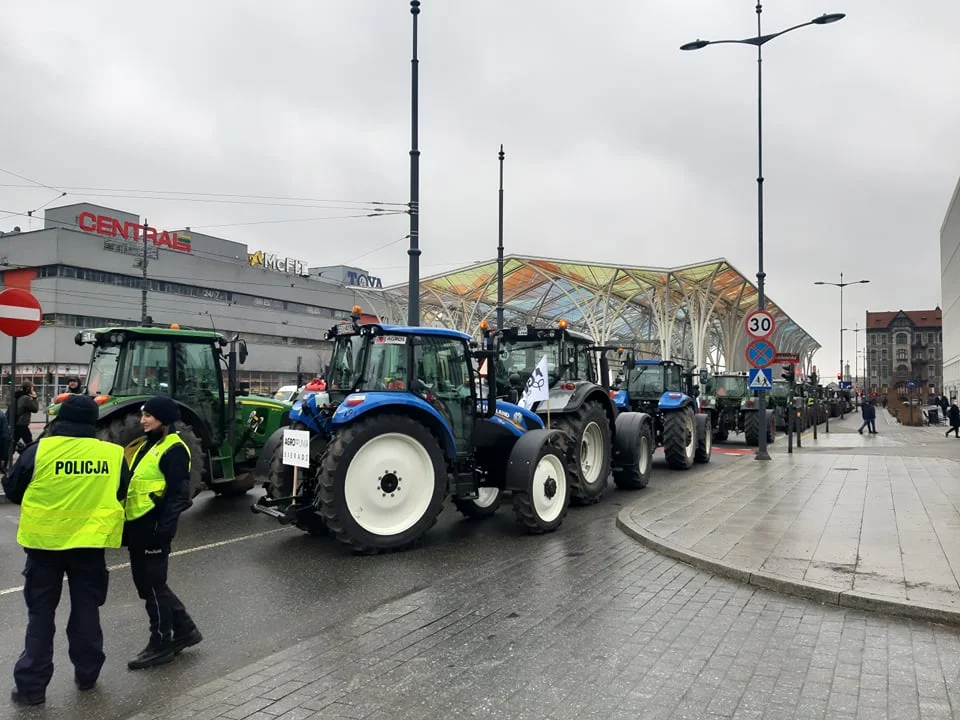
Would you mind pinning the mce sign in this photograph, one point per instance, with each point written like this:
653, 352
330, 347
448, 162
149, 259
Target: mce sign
363, 280
272, 261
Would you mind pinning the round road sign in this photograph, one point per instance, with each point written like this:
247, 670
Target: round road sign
760, 324
19, 313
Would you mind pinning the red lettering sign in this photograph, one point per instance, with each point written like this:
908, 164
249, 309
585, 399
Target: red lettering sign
112, 227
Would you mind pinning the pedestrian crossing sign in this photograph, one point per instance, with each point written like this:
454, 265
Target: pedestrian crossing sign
761, 379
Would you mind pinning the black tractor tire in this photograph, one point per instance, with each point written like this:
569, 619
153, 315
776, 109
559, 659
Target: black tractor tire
751, 428
771, 427
524, 502
679, 438
483, 507
638, 476
704, 439
332, 491
279, 484
586, 425
125, 429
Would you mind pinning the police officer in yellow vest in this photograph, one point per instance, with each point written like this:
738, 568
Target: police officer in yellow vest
159, 491
68, 485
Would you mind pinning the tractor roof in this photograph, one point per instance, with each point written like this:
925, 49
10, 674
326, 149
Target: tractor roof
383, 329
94, 334
536, 332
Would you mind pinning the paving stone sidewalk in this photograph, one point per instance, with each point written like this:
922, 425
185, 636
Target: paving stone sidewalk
868, 521
594, 625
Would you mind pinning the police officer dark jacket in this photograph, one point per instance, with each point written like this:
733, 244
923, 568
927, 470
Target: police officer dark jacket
70, 489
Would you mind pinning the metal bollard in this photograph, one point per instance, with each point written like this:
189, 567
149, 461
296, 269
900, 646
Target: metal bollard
790, 425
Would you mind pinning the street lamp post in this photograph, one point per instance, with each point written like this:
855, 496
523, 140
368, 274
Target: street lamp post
500, 251
841, 285
856, 329
413, 284
759, 41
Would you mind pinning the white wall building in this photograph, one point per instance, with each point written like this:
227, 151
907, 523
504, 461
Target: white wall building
950, 294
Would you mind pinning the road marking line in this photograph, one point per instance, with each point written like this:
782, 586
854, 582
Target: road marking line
187, 551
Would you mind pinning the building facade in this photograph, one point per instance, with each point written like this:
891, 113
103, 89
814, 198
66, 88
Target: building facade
950, 293
85, 266
904, 352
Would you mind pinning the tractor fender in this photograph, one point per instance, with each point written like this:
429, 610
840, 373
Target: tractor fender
363, 405
621, 400
625, 445
672, 400
188, 416
524, 456
307, 412
574, 400
513, 418
700, 424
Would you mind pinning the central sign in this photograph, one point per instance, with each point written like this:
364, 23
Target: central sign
272, 261
111, 227
363, 280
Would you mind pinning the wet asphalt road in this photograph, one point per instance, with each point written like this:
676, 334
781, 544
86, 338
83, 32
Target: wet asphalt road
260, 594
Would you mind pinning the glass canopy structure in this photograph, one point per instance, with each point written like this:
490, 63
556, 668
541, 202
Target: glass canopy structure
694, 314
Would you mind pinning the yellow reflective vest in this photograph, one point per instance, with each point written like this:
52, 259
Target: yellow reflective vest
71, 502
147, 482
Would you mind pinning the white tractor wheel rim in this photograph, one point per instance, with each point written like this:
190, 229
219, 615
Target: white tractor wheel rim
644, 454
591, 453
692, 433
549, 491
708, 445
389, 484
486, 497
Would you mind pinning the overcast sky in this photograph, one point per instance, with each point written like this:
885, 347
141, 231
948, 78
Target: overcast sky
620, 147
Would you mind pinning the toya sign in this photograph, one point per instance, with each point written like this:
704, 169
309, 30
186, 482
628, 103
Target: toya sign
111, 227
272, 261
363, 280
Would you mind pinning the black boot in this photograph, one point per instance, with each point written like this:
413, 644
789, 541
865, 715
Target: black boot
21, 698
152, 655
188, 639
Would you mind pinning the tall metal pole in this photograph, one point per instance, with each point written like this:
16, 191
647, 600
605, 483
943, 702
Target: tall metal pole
500, 250
762, 453
413, 285
841, 326
143, 281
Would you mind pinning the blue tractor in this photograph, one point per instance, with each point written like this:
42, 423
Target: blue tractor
406, 426
662, 390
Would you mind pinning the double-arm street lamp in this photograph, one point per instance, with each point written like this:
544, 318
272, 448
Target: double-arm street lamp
841, 285
759, 41
856, 330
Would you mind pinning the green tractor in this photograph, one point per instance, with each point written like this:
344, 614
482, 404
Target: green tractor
781, 402
224, 434
733, 408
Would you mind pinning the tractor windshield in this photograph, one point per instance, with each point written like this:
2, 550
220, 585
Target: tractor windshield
645, 381
385, 363
523, 356
345, 363
731, 386
781, 390
103, 370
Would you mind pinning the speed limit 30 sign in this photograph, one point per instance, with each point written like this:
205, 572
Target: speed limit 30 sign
760, 324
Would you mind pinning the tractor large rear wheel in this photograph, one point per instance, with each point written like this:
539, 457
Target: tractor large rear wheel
751, 428
679, 438
588, 449
382, 483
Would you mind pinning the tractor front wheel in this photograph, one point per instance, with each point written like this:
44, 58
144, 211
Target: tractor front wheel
382, 483
679, 438
542, 504
486, 503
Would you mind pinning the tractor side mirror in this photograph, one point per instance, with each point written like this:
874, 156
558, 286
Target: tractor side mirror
242, 352
704, 376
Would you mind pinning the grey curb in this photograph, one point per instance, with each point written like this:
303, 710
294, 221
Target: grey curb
810, 591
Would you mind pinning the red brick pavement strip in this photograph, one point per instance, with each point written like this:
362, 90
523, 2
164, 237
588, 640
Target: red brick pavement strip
594, 625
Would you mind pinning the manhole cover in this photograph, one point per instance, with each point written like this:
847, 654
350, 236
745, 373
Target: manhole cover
846, 468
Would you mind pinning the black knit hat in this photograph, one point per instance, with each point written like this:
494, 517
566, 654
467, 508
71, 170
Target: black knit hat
163, 409
79, 409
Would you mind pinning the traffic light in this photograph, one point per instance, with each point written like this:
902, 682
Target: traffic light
789, 373
839, 376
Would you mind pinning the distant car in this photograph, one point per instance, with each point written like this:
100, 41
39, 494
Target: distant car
287, 393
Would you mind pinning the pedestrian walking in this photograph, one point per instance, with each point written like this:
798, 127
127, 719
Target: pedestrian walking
869, 414
27, 405
159, 491
954, 414
69, 488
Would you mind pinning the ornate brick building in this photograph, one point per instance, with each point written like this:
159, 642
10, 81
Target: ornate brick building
905, 346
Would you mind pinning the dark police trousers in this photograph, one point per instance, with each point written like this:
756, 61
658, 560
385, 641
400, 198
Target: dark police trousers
87, 576
167, 614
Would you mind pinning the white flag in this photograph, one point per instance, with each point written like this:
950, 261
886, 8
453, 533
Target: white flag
538, 386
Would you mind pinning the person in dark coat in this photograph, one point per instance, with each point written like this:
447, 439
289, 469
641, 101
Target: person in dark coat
159, 490
27, 405
954, 414
869, 415
73, 385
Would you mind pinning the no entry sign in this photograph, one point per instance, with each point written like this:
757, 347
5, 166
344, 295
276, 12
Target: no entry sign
19, 313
